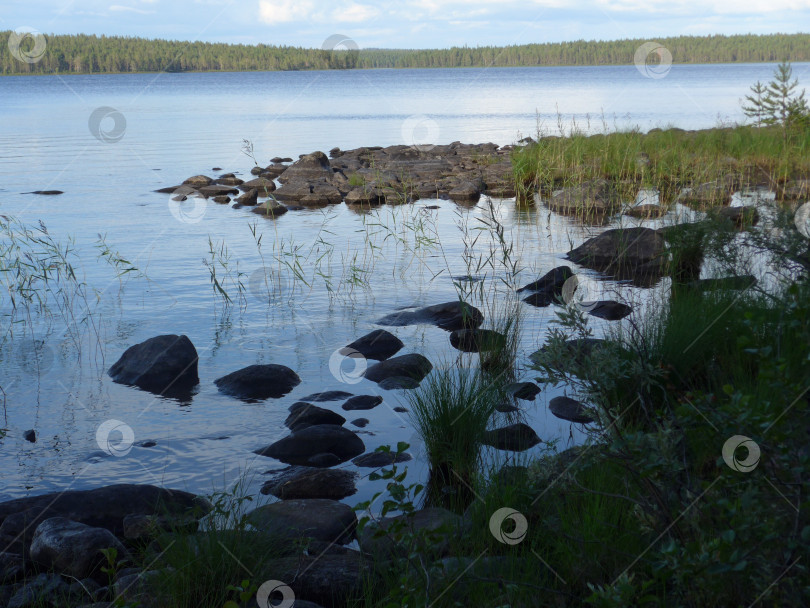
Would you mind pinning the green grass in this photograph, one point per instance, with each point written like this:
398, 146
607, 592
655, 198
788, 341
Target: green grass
667, 160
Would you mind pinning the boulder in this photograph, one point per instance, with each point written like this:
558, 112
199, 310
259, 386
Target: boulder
477, 340
318, 518
593, 197
741, 217
646, 211
39, 591
104, 507
514, 438
229, 179
166, 365
12, 567
552, 282
607, 309
251, 197
365, 196
710, 194
262, 185
308, 194
300, 446
222, 200
304, 414
327, 396
569, 409
217, 190
413, 366
72, 548
361, 422
314, 166
466, 192
269, 209
635, 253
398, 382
362, 402
198, 180
311, 482
378, 345
259, 382
523, 390
448, 316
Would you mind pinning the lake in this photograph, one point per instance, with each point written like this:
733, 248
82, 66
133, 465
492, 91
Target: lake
159, 129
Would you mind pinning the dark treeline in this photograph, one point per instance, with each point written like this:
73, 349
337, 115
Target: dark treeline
111, 54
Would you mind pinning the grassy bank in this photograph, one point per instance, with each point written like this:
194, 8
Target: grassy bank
666, 160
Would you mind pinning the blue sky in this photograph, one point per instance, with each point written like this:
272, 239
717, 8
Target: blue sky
405, 23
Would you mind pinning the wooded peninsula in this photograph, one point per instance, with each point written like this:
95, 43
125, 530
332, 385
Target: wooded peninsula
82, 54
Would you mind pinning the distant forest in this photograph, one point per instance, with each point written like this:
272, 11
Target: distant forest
81, 54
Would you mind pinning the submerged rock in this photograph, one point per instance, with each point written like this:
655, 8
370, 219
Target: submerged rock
362, 402
166, 365
378, 345
607, 309
448, 316
634, 253
259, 382
327, 396
304, 414
311, 482
548, 289
269, 209
514, 438
569, 409
477, 340
594, 197
301, 446
413, 366
380, 459
523, 390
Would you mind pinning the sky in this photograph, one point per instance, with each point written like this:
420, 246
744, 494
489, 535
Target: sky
405, 23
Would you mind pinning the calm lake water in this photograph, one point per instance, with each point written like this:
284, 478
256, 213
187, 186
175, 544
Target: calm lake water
162, 128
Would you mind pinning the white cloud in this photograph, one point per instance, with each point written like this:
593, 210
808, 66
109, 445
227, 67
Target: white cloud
355, 13
284, 11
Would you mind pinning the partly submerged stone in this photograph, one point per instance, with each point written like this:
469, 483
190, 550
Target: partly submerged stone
163, 365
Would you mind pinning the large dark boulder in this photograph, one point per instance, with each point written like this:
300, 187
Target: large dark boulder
303, 414
477, 340
569, 409
311, 482
448, 316
378, 345
166, 365
318, 518
515, 438
71, 548
413, 366
552, 282
609, 310
314, 166
626, 253
362, 402
269, 209
302, 446
330, 579
101, 507
259, 382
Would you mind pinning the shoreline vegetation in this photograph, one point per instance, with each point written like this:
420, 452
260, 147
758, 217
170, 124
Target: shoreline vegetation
85, 54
